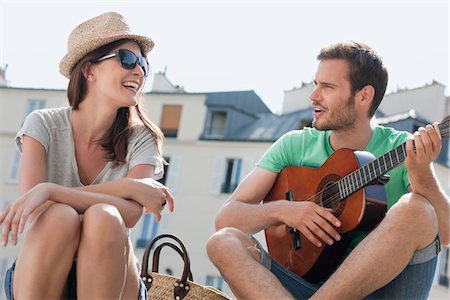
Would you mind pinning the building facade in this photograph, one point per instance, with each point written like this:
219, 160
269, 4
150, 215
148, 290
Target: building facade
212, 141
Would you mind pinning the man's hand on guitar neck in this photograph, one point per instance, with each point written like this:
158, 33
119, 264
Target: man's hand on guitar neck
421, 151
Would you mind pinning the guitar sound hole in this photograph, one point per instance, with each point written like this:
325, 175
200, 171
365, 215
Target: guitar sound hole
328, 194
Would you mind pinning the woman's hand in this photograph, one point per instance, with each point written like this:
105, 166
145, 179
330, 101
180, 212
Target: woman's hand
15, 215
152, 195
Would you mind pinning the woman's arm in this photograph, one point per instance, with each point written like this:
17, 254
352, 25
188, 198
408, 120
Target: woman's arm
33, 170
37, 194
140, 190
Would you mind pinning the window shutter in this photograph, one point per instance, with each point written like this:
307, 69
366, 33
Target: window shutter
170, 120
172, 173
248, 164
13, 174
217, 175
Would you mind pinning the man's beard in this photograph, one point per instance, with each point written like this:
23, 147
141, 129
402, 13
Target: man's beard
343, 118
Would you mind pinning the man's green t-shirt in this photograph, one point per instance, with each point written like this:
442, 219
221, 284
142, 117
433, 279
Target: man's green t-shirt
311, 148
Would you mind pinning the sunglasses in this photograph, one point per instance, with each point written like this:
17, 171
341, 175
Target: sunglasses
128, 60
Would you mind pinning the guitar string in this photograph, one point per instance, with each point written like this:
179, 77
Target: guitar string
329, 193
330, 190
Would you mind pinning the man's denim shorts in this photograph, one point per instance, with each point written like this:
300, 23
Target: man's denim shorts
420, 272
71, 292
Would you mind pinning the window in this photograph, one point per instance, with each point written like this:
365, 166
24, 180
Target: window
218, 122
214, 281
149, 231
170, 120
226, 173
34, 105
232, 175
13, 175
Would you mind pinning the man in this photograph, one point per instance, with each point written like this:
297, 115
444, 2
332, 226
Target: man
398, 258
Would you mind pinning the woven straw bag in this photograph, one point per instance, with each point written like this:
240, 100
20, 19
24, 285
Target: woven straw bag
164, 287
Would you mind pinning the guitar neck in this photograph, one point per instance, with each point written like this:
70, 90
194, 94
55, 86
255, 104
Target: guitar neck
375, 169
372, 171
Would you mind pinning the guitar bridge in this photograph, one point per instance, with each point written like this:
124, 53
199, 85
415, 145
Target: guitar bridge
293, 231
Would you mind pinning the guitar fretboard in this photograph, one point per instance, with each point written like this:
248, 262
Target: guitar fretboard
367, 174
370, 172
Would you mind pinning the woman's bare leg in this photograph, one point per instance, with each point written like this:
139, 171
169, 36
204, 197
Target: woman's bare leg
103, 254
47, 255
131, 288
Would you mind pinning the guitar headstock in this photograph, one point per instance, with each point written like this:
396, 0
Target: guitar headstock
443, 127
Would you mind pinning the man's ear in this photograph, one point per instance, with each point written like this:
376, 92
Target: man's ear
365, 95
87, 71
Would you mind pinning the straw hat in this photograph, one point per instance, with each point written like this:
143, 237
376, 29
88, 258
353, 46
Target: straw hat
97, 32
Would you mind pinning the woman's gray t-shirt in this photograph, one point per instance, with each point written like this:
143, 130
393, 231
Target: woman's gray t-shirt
53, 129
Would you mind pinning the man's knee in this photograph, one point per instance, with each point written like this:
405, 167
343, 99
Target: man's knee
415, 206
224, 243
415, 210
221, 240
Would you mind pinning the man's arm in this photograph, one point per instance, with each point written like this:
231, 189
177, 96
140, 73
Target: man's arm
245, 211
421, 152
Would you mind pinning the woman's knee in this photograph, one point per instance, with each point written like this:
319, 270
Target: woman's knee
58, 222
103, 222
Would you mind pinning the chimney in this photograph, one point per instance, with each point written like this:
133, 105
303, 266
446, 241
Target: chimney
162, 85
3, 75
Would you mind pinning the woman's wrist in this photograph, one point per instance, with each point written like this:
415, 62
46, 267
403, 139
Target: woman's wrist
49, 187
127, 188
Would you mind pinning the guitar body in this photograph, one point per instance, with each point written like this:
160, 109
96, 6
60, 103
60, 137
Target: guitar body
363, 209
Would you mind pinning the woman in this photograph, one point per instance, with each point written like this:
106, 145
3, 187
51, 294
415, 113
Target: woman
97, 158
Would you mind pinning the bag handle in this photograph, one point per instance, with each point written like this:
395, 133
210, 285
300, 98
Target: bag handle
181, 286
157, 252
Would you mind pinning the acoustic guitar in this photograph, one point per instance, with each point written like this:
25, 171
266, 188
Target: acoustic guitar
351, 184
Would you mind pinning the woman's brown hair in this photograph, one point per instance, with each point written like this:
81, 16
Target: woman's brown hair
115, 141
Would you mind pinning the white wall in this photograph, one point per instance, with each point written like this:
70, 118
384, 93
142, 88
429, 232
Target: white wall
297, 98
428, 101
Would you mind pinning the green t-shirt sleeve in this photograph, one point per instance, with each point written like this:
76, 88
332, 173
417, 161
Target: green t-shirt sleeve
276, 157
405, 177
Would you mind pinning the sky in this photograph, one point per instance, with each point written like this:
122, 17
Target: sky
211, 46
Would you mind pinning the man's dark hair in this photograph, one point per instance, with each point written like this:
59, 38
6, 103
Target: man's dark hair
366, 68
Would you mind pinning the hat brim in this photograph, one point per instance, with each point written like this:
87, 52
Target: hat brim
69, 61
